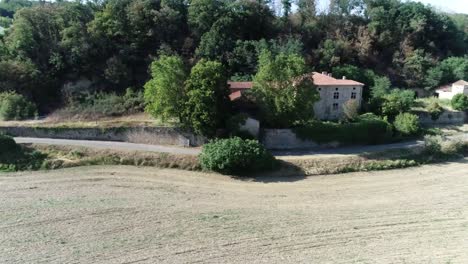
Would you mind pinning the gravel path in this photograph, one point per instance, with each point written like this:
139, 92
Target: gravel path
145, 215
109, 145
195, 151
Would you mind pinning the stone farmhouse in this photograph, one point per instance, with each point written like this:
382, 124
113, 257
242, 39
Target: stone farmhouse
449, 91
334, 93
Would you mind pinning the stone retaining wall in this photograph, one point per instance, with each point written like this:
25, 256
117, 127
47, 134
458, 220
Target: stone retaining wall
446, 118
285, 139
143, 135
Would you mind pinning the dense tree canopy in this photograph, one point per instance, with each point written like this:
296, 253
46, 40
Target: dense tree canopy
44, 45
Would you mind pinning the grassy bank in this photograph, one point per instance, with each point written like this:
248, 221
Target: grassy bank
43, 157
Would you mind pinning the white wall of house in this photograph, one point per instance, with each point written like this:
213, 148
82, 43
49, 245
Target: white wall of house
332, 99
456, 89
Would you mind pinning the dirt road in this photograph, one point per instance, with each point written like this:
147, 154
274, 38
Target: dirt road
146, 215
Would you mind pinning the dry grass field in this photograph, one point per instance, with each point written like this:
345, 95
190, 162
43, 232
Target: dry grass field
124, 214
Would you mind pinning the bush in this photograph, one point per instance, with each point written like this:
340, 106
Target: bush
439, 147
13, 157
7, 145
435, 109
104, 105
368, 129
460, 102
16, 107
398, 101
235, 156
351, 109
407, 124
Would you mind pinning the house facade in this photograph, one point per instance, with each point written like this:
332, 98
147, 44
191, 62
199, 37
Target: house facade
334, 93
449, 91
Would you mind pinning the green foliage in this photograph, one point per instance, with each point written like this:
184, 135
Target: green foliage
407, 124
351, 110
368, 129
95, 105
113, 42
236, 156
435, 109
207, 105
460, 102
381, 87
16, 107
164, 93
447, 71
14, 157
398, 101
282, 91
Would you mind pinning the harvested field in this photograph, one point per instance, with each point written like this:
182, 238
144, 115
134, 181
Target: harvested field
124, 214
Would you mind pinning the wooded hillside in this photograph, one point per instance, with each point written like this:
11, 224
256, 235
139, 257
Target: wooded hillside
111, 43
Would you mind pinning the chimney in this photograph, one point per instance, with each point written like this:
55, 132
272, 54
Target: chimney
344, 77
324, 73
330, 75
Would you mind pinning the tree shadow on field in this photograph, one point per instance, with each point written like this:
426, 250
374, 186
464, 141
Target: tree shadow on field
286, 172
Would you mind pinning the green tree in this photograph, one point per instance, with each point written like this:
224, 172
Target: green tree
398, 101
460, 102
207, 105
283, 92
164, 93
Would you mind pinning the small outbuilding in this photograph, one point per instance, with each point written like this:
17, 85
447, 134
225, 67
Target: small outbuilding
450, 90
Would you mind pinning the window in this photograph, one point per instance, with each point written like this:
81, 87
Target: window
353, 95
336, 95
335, 106
320, 89
336, 89
354, 88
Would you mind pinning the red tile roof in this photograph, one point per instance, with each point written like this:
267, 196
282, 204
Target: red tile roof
325, 80
319, 80
240, 85
445, 88
235, 95
461, 82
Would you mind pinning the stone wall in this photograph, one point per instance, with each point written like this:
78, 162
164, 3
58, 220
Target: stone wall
323, 109
143, 135
446, 118
285, 139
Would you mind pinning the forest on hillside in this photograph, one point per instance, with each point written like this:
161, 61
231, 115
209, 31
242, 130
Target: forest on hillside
47, 46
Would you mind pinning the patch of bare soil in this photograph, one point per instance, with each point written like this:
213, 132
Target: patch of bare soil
146, 215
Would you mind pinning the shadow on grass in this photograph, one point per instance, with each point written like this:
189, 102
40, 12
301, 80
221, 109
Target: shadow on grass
286, 172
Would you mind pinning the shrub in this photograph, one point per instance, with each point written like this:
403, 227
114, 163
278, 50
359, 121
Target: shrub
434, 109
460, 102
235, 155
439, 147
351, 109
398, 101
15, 107
103, 105
368, 129
7, 145
407, 124
13, 157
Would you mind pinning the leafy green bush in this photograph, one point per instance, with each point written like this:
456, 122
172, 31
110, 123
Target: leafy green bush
235, 156
407, 124
13, 157
435, 109
398, 101
368, 129
14, 106
460, 102
104, 105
